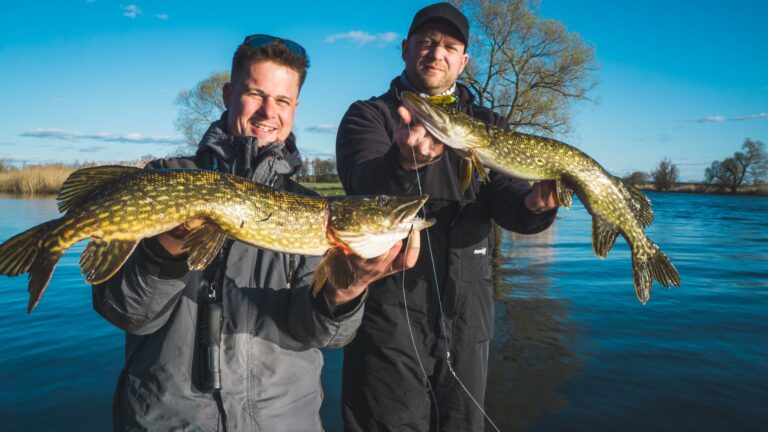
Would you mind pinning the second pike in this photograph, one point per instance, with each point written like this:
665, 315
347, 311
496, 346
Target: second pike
616, 207
117, 206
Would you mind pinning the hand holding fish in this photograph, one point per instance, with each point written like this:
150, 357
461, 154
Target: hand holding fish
367, 271
414, 139
542, 197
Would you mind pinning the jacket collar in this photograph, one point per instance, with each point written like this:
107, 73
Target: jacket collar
464, 97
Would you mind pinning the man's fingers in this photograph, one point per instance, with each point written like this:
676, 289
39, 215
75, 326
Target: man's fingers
194, 223
405, 115
411, 254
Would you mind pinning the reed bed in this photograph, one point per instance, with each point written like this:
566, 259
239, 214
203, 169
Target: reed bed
46, 179
35, 180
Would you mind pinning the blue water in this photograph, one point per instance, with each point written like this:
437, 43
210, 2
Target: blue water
573, 348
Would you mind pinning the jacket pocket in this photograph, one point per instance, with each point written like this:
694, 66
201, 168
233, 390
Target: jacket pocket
470, 241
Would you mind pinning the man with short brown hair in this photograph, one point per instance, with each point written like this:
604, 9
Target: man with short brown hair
235, 346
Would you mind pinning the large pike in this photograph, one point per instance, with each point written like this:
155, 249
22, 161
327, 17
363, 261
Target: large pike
616, 207
118, 206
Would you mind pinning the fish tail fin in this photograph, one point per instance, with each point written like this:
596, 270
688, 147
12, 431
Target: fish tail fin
657, 267
342, 274
40, 276
27, 253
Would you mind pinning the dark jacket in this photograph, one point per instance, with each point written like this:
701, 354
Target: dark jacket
272, 328
461, 243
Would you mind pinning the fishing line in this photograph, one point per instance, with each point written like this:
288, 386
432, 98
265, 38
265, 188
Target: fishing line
446, 339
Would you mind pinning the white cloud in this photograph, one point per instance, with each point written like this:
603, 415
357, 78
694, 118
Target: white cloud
92, 149
752, 117
131, 11
162, 16
711, 119
322, 128
387, 36
361, 38
134, 138
721, 119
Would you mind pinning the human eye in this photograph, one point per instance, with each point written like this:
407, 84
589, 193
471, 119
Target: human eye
283, 102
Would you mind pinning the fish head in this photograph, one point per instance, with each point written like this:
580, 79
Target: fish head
455, 129
370, 225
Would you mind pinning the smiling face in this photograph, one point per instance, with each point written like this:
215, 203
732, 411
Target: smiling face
434, 57
261, 101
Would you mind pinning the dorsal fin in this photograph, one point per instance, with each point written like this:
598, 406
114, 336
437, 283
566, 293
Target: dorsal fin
639, 204
83, 181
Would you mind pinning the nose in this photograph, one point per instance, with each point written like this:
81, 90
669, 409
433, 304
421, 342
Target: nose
268, 108
436, 51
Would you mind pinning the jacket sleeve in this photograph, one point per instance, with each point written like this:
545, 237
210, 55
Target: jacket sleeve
140, 298
312, 320
504, 199
366, 160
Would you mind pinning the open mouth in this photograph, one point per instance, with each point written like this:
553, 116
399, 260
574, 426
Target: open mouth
406, 214
263, 127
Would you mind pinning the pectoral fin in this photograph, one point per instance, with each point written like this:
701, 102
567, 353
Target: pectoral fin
465, 171
203, 244
603, 236
102, 259
479, 166
564, 194
340, 274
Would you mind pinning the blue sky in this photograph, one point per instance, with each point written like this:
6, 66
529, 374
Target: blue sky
95, 80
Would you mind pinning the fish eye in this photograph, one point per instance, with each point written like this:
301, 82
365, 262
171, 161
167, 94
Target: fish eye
383, 201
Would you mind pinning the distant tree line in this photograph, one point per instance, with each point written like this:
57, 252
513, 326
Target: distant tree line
746, 167
318, 171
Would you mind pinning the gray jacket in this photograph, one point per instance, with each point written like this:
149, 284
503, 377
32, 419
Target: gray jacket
272, 326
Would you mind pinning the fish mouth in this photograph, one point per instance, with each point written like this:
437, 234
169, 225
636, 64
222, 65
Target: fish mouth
407, 214
433, 118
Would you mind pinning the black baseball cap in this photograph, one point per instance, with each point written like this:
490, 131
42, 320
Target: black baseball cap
442, 12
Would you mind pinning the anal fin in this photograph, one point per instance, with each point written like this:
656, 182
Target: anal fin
603, 236
102, 259
203, 244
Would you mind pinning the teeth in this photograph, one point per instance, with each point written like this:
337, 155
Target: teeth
265, 128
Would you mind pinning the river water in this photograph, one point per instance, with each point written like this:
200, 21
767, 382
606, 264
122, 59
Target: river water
573, 349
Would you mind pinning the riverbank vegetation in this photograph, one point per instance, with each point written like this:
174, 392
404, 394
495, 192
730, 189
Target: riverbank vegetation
46, 179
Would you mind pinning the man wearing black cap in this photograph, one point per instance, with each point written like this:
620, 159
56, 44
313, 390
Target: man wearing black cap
397, 375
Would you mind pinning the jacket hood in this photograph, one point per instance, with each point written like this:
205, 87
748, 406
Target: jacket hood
241, 155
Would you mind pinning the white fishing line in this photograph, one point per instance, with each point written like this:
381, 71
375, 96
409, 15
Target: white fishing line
442, 316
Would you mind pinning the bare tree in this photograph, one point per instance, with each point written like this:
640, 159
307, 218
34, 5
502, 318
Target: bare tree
200, 106
324, 170
526, 68
665, 175
747, 166
636, 178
